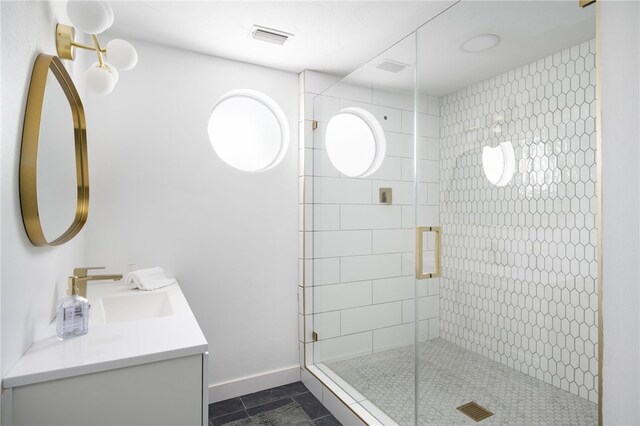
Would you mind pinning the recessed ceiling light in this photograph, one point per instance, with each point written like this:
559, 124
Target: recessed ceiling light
480, 43
391, 66
270, 35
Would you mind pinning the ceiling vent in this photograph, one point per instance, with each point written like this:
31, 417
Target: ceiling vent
391, 66
270, 35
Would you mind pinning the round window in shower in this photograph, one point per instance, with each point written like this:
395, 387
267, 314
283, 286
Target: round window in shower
355, 142
248, 130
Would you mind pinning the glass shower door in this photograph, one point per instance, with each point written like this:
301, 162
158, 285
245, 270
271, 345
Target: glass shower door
363, 236
452, 272
429, 237
516, 335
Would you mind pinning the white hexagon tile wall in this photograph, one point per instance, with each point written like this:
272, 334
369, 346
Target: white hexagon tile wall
520, 261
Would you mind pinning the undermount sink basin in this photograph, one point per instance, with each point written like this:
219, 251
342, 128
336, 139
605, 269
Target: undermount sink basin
136, 306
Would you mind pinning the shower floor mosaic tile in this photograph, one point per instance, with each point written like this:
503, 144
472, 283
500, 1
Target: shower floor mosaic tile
451, 376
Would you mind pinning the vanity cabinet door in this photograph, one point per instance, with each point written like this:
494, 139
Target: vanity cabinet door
166, 392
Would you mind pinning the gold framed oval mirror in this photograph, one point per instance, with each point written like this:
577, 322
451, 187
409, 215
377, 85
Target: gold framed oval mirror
54, 195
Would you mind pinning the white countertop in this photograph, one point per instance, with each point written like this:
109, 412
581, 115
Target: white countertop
110, 346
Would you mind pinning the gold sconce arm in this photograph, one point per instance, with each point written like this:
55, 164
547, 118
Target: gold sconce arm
98, 49
65, 44
85, 46
101, 77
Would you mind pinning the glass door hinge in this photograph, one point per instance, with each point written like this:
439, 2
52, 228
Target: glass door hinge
314, 125
314, 336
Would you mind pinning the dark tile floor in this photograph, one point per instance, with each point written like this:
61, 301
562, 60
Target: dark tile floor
258, 403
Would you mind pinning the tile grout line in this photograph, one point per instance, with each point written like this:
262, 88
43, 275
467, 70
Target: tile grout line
226, 414
322, 417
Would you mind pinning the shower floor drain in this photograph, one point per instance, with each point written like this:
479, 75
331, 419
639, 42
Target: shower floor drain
474, 411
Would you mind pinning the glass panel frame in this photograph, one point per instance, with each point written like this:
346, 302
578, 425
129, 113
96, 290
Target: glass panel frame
362, 242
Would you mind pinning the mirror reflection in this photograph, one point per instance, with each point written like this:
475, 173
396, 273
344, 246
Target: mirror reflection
56, 162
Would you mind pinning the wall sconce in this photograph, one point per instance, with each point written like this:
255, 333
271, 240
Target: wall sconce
94, 17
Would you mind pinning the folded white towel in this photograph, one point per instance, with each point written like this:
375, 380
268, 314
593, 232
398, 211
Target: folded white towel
148, 279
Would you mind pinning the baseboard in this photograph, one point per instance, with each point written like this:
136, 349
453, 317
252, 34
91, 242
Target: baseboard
250, 384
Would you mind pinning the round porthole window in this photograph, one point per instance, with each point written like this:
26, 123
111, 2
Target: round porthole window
355, 142
248, 130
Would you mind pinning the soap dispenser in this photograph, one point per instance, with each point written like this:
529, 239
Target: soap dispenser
72, 318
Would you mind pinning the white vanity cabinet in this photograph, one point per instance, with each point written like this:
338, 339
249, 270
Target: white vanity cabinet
150, 371
168, 392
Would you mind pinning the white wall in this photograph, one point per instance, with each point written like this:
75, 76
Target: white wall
161, 196
620, 72
29, 275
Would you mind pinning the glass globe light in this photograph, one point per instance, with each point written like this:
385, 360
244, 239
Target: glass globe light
122, 54
99, 80
114, 72
111, 69
111, 17
92, 17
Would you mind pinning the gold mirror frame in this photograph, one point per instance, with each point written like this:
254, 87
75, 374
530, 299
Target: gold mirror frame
29, 151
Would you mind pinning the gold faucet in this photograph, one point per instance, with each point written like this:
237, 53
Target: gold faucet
80, 278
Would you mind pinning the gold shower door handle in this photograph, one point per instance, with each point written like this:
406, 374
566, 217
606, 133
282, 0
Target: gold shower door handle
420, 231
